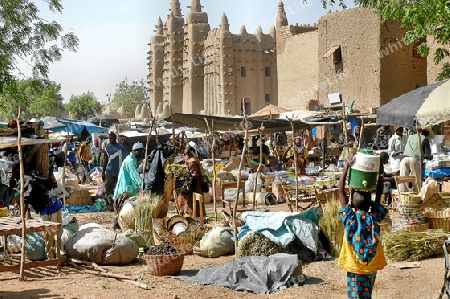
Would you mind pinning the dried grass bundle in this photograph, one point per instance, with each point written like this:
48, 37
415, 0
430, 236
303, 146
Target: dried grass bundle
148, 206
332, 226
403, 245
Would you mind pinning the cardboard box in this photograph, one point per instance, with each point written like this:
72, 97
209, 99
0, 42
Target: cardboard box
445, 186
277, 189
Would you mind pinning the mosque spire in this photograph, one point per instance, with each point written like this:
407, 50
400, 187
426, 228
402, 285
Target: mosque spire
224, 25
159, 27
196, 6
175, 8
281, 17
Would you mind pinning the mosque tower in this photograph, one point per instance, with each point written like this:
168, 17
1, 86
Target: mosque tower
173, 58
155, 67
281, 22
195, 33
226, 62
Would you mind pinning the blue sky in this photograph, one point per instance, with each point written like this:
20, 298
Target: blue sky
114, 35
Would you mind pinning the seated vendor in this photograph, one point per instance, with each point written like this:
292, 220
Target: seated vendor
296, 149
264, 160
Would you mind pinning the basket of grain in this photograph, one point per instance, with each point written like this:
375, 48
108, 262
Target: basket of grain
164, 259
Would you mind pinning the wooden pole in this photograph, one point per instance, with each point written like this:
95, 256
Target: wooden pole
260, 130
173, 127
63, 177
147, 145
295, 162
210, 137
419, 176
241, 163
361, 131
22, 197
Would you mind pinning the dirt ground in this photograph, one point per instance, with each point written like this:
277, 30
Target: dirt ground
423, 279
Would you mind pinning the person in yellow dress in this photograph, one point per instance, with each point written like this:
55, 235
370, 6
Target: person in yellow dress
362, 253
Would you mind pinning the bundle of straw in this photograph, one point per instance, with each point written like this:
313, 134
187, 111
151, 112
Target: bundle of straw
148, 207
332, 226
411, 246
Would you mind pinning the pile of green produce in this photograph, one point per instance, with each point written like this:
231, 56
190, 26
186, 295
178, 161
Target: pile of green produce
181, 174
253, 244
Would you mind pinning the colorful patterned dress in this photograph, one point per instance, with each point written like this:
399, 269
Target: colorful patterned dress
362, 252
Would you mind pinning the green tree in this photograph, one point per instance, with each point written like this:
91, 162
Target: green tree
38, 98
49, 102
421, 19
26, 36
83, 106
129, 96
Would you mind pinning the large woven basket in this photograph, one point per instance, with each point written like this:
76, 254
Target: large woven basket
438, 214
161, 265
443, 223
415, 227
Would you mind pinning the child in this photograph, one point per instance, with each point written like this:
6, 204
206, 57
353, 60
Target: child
362, 252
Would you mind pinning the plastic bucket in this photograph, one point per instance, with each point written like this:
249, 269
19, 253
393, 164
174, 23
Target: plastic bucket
364, 172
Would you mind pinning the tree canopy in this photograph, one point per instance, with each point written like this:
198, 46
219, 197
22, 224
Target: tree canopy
129, 96
421, 19
38, 99
83, 106
26, 36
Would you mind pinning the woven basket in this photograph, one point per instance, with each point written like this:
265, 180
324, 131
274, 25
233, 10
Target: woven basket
443, 223
416, 227
438, 214
80, 197
185, 244
410, 209
409, 198
161, 265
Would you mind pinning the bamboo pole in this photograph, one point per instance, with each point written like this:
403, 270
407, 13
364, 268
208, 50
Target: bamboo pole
147, 145
260, 130
210, 136
22, 197
241, 163
295, 162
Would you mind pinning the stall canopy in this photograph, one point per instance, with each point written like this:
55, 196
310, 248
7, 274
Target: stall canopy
429, 104
232, 124
104, 120
11, 141
57, 124
268, 112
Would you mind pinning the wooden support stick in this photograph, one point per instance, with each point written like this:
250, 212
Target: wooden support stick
295, 163
239, 184
210, 137
22, 197
147, 145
